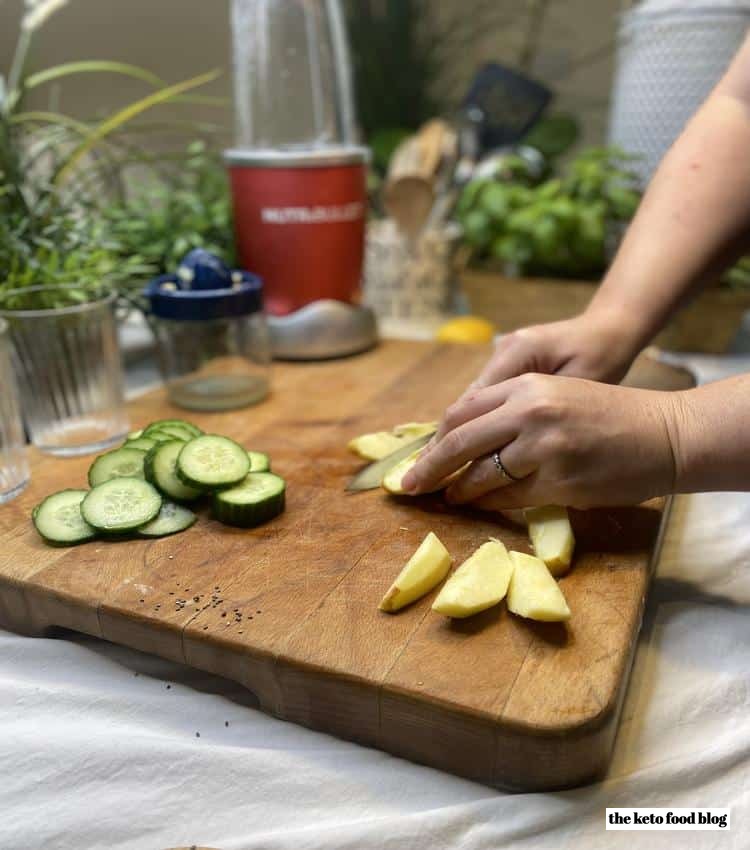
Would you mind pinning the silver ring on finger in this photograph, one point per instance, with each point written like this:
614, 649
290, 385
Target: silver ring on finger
501, 468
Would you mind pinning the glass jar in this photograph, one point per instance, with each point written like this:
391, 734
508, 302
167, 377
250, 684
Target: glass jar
213, 345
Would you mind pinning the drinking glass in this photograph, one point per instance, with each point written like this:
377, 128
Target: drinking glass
14, 469
68, 367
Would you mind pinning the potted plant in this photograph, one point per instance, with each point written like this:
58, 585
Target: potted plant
55, 170
539, 249
65, 248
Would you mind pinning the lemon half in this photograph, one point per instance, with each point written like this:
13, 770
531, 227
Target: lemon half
470, 329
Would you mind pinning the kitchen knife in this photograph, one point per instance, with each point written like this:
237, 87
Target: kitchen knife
372, 476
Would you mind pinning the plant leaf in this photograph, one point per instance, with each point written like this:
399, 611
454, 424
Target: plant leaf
40, 116
109, 125
91, 66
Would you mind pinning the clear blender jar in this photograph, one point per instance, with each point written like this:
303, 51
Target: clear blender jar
292, 76
298, 178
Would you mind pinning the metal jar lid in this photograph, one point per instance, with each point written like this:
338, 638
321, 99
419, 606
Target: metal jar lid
172, 298
301, 158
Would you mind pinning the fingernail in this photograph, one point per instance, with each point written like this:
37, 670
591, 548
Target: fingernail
409, 482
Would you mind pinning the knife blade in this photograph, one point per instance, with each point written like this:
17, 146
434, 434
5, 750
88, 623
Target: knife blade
372, 476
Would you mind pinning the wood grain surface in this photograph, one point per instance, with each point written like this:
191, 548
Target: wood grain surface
290, 609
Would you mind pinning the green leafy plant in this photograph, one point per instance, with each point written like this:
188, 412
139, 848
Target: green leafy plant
558, 227
55, 170
553, 135
171, 213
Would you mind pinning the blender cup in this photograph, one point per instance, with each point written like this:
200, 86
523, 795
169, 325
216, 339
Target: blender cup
298, 178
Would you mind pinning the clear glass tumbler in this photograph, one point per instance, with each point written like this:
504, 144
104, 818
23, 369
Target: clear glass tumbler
68, 368
14, 468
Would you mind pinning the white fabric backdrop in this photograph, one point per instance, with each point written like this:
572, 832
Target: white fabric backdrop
98, 753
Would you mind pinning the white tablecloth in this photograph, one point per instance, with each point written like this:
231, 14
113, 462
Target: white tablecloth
98, 744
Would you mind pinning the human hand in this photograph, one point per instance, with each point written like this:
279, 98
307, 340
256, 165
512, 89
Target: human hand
597, 347
568, 441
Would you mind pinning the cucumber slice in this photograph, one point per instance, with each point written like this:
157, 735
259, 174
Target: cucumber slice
177, 432
119, 463
180, 423
257, 499
158, 436
171, 519
160, 467
259, 462
121, 504
58, 518
211, 461
133, 435
142, 443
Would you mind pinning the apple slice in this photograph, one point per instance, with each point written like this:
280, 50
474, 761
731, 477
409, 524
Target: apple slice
552, 537
479, 583
414, 430
427, 567
375, 446
393, 478
533, 592
380, 444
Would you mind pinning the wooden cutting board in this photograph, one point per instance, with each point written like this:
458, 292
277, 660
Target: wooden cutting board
290, 609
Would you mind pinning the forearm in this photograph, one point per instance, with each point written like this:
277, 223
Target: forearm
694, 219
710, 435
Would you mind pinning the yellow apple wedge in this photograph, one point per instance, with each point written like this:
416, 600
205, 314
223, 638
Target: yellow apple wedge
379, 444
393, 478
426, 568
375, 446
479, 583
414, 430
533, 592
551, 536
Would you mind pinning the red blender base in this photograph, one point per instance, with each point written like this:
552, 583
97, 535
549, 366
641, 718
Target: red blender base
300, 225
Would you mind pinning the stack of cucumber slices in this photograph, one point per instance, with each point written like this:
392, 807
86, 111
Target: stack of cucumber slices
141, 488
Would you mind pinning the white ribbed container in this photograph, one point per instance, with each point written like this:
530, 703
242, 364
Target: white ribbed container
670, 55
409, 280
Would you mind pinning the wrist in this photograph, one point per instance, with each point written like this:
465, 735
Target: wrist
621, 329
608, 345
675, 413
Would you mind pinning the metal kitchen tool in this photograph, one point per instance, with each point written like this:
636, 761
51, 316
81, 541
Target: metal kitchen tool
493, 162
509, 101
500, 107
371, 476
468, 150
323, 329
